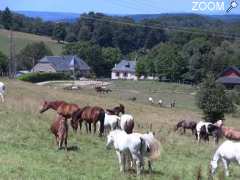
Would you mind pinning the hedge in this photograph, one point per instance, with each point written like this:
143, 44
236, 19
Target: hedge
40, 77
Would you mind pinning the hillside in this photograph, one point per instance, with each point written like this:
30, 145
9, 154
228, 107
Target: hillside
28, 149
22, 39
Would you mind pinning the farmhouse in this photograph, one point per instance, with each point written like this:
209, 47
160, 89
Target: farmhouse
230, 77
124, 70
62, 64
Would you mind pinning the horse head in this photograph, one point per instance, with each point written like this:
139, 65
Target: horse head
110, 140
76, 117
44, 106
122, 109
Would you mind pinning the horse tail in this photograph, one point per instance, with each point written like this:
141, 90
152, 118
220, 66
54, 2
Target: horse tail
101, 119
153, 149
142, 146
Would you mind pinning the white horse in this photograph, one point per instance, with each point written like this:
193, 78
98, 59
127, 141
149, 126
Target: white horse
152, 150
150, 99
198, 128
127, 123
2, 90
111, 121
228, 151
124, 144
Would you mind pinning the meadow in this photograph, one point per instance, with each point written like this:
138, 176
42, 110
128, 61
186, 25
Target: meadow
28, 149
22, 39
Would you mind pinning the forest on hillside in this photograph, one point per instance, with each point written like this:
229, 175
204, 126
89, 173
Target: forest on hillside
174, 47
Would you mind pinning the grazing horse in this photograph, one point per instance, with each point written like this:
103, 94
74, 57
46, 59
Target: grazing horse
60, 129
186, 125
127, 143
228, 151
198, 129
230, 133
89, 115
210, 130
63, 109
2, 90
150, 99
111, 122
127, 123
152, 151
116, 110
103, 90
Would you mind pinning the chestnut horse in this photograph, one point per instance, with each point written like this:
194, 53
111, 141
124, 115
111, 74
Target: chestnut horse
64, 109
60, 129
89, 115
116, 110
186, 125
230, 133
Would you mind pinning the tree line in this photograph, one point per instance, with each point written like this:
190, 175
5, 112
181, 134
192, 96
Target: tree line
172, 47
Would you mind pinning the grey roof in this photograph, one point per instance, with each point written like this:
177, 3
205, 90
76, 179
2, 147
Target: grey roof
228, 80
126, 66
65, 63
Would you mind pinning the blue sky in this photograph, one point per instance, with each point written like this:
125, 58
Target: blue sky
112, 6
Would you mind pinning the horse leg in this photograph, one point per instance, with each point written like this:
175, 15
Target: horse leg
94, 127
184, 130
149, 166
225, 165
86, 125
119, 155
90, 127
2, 97
137, 159
66, 136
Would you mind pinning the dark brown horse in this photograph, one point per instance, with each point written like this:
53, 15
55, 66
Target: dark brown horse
60, 129
117, 110
186, 125
89, 115
63, 109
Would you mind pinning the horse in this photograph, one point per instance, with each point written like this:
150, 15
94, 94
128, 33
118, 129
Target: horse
116, 110
152, 152
127, 123
89, 115
198, 129
2, 91
111, 122
186, 125
230, 133
228, 151
63, 108
103, 90
60, 129
124, 144
210, 130
173, 103
160, 102
150, 99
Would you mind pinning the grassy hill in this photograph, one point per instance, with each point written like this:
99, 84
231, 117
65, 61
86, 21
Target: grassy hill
28, 149
22, 39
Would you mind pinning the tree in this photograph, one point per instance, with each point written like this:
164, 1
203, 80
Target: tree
30, 55
7, 18
59, 32
3, 62
213, 100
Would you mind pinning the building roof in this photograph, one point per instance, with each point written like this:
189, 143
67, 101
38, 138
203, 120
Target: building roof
65, 63
125, 66
233, 68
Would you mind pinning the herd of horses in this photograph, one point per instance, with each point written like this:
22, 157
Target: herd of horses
131, 147
227, 152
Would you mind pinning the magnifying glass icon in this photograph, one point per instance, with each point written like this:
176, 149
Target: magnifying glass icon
233, 4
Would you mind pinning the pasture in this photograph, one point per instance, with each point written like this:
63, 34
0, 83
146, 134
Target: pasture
28, 149
22, 39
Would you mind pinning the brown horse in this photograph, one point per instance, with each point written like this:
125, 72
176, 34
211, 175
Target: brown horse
60, 129
186, 125
117, 110
63, 109
89, 115
230, 133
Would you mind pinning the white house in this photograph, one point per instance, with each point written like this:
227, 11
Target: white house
124, 70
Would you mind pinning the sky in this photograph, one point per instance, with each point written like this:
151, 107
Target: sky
119, 6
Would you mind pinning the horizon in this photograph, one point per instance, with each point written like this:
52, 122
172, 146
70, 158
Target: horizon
112, 7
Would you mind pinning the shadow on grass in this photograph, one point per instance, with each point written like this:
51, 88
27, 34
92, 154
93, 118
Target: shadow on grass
70, 148
145, 172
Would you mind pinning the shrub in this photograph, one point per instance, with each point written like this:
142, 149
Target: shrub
213, 100
40, 77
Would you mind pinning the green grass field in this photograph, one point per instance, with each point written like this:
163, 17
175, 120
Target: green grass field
28, 149
22, 39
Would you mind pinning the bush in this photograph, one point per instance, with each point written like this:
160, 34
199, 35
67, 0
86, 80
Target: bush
213, 100
40, 77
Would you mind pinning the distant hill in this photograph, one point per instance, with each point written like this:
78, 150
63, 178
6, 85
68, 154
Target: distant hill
71, 17
51, 16
22, 39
